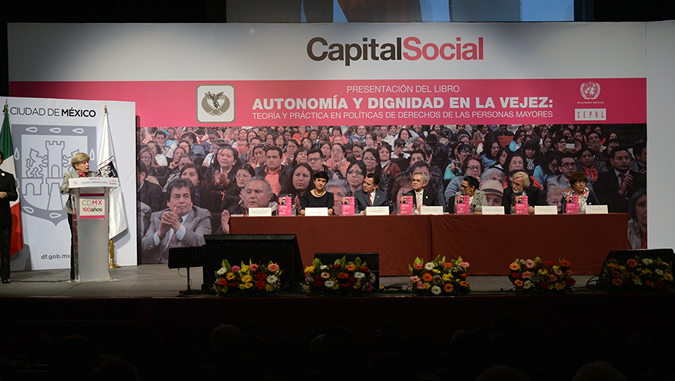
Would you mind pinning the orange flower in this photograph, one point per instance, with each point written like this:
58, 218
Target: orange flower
514, 266
427, 277
565, 263
448, 287
343, 275
447, 264
464, 283
351, 267
613, 266
518, 283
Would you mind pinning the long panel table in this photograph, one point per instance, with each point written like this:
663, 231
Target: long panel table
488, 243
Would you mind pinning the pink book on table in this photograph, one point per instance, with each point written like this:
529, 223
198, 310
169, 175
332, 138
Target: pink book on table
572, 204
405, 205
463, 206
285, 206
521, 205
348, 206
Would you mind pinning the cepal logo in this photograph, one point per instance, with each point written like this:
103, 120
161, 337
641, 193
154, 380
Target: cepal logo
408, 48
215, 103
590, 90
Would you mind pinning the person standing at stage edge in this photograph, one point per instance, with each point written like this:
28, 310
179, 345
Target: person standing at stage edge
80, 162
7, 194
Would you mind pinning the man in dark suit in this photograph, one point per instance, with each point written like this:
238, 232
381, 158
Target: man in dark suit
520, 186
616, 187
370, 195
419, 193
180, 225
7, 194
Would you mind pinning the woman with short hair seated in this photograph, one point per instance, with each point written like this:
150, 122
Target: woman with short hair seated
578, 188
318, 197
477, 198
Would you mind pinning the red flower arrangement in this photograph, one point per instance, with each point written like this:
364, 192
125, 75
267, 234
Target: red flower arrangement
541, 277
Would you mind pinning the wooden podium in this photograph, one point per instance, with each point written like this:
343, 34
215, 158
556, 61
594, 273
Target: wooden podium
90, 225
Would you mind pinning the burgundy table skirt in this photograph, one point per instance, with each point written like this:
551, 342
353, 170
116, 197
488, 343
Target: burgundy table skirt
488, 243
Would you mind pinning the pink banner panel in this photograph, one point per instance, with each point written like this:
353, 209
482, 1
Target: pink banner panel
370, 102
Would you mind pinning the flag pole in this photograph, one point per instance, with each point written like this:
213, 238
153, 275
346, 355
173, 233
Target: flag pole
111, 245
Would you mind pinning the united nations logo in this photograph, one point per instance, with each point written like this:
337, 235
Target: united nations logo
215, 104
590, 90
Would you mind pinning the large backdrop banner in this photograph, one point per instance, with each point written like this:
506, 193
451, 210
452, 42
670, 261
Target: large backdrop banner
192, 77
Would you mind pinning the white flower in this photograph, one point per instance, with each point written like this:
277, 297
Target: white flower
658, 271
429, 266
221, 271
527, 284
272, 279
647, 261
359, 275
325, 275
436, 290
324, 267
329, 284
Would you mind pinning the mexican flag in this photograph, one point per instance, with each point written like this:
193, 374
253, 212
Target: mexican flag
7, 165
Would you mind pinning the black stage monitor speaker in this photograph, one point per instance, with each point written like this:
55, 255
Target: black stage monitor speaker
371, 259
261, 248
666, 255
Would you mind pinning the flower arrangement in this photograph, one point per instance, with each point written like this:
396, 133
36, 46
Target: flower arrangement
636, 274
248, 280
541, 277
439, 277
339, 279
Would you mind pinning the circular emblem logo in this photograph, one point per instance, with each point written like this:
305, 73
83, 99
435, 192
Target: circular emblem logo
215, 104
590, 90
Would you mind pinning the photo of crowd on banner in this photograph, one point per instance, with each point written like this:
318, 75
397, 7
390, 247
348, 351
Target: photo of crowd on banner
191, 180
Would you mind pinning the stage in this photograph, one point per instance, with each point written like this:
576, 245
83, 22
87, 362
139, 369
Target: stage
142, 299
158, 281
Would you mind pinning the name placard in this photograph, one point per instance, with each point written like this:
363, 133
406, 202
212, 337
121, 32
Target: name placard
316, 212
492, 210
596, 209
259, 212
545, 209
431, 210
377, 211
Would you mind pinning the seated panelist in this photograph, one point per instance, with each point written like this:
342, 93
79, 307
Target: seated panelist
318, 197
521, 187
422, 195
370, 194
579, 189
477, 198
